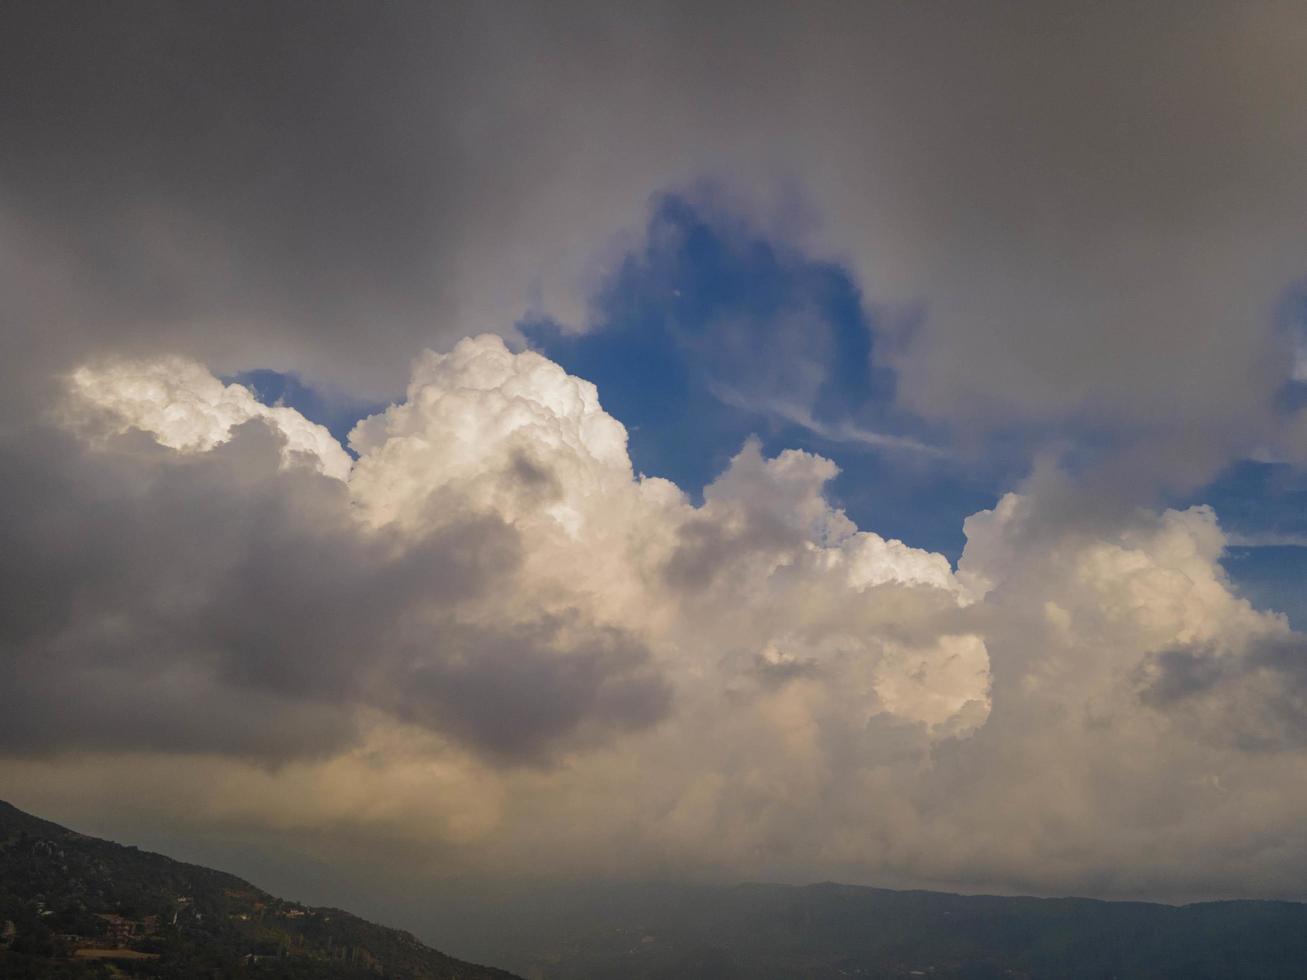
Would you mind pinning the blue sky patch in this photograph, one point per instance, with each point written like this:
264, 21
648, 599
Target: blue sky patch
338, 413
1263, 509
710, 333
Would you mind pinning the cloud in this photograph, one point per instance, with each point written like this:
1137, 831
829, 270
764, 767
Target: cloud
490, 636
847, 432
490, 603
489, 568
732, 331
517, 691
1106, 247
1254, 697
503, 428
216, 565
204, 602
185, 407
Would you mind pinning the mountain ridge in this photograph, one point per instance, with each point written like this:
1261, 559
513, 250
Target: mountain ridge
761, 931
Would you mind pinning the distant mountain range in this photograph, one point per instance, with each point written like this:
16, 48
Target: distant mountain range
73, 906
76, 907
830, 931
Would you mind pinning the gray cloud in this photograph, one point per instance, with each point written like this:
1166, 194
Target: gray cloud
218, 603
1084, 213
1093, 209
780, 671
707, 547
1254, 697
514, 692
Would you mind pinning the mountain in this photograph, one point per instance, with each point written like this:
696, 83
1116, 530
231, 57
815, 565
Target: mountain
73, 906
770, 932
76, 907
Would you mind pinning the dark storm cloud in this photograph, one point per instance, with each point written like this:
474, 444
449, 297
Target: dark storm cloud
1255, 697
531, 479
777, 673
234, 162
217, 603
516, 693
1078, 220
705, 547
1093, 207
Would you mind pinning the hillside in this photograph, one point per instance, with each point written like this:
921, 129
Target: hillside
74, 906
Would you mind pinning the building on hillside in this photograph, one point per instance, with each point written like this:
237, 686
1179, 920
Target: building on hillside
119, 929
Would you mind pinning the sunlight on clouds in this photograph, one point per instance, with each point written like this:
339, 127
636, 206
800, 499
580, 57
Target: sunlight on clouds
752, 683
184, 407
513, 429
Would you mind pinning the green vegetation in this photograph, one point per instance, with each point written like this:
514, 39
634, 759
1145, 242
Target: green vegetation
76, 907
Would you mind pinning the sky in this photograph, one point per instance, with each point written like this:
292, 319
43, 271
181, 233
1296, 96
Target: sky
859, 442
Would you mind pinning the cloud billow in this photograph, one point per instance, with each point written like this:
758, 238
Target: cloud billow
489, 598
226, 600
504, 628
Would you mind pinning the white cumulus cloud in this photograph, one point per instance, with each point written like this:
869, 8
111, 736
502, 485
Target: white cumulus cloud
185, 407
613, 677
